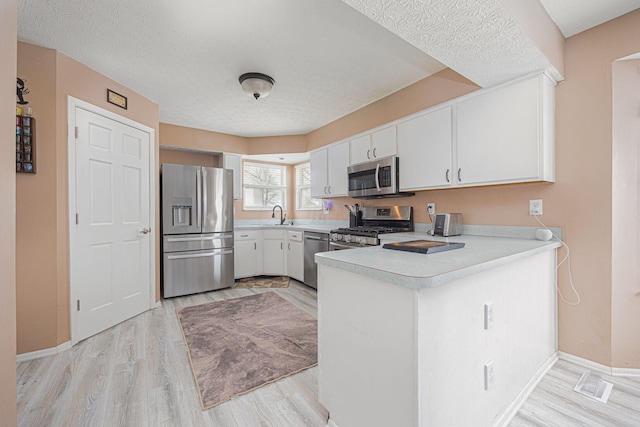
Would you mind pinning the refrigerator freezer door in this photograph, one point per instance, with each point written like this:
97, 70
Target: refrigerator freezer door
197, 271
217, 200
194, 242
181, 209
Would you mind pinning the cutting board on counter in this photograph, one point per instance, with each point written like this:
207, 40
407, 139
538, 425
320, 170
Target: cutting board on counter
423, 246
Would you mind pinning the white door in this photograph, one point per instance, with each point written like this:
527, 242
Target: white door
111, 250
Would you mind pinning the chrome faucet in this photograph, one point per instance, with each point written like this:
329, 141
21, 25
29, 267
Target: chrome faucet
282, 218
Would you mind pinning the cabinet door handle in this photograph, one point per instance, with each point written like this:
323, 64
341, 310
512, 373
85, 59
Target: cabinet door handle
244, 235
329, 189
447, 175
255, 246
289, 246
459, 175
374, 153
368, 156
325, 189
281, 246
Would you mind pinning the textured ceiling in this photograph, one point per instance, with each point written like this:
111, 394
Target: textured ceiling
575, 16
328, 57
474, 37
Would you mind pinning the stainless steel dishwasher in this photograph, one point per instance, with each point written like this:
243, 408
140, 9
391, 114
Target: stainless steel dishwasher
314, 242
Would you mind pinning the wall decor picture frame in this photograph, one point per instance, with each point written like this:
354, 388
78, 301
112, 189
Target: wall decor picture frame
116, 99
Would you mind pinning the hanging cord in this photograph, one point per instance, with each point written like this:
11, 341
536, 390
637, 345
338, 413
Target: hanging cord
566, 258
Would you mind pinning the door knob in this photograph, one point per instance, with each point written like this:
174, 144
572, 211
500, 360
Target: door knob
144, 230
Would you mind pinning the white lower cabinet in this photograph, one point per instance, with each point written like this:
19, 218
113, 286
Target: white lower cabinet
295, 255
247, 248
274, 259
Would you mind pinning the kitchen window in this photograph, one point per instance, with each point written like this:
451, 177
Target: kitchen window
304, 201
263, 186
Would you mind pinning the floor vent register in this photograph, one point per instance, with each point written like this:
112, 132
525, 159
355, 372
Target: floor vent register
593, 386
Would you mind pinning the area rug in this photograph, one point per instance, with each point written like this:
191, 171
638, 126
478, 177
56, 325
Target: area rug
263, 282
238, 345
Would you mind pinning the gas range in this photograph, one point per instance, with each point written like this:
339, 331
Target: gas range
375, 221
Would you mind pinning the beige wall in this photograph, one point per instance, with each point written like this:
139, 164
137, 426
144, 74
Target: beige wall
434, 90
36, 197
198, 139
580, 200
8, 19
625, 299
184, 157
42, 262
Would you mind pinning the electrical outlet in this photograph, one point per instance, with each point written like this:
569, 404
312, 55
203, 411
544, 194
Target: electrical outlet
488, 315
488, 374
535, 207
431, 208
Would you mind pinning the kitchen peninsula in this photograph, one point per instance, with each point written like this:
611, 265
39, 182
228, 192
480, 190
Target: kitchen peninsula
444, 339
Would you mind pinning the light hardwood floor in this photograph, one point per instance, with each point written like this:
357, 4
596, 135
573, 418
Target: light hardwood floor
138, 374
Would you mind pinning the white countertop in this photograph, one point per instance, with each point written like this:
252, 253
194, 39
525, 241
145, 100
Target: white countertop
415, 270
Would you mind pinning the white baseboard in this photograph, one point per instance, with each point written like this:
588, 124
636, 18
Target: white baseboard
615, 372
510, 411
330, 423
24, 357
625, 372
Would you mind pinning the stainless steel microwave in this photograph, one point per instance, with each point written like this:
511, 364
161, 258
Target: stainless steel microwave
378, 178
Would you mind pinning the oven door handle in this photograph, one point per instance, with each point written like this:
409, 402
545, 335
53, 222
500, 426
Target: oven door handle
334, 246
378, 177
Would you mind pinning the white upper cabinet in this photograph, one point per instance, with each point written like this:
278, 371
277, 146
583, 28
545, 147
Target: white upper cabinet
383, 143
376, 145
360, 149
234, 162
319, 173
338, 164
506, 135
425, 151
329, 170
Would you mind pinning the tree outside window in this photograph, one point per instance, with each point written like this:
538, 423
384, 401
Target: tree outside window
264, 185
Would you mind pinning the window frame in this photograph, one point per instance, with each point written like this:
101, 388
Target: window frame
299, 188
283, 187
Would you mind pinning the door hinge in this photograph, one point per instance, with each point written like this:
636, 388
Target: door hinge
77, 219
78, 305
77, 132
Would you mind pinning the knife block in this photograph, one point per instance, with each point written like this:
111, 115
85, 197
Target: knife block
355, 220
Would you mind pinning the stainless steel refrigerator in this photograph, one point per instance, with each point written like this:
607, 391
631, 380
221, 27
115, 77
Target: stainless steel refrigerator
197, 229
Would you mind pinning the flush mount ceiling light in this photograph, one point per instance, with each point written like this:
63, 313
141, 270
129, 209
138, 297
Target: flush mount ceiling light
256, 85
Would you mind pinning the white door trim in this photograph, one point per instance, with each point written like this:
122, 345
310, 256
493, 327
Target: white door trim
72, 104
